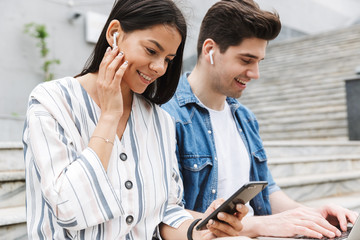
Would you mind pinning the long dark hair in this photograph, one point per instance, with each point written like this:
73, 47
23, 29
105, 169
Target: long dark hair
139, 15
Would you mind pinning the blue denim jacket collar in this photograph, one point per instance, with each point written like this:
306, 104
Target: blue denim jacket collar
185, 95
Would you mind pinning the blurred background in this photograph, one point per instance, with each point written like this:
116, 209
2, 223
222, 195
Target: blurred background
306, 100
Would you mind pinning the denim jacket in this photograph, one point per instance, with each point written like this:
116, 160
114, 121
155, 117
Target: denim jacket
197, 154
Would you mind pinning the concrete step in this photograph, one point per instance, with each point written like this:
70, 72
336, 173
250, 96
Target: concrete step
308, 134
302, 118
294, 85
350, 201
306, 188
13, 223
289, 93
11, 156
326, 124
309, 165
288, 149
12, 188
293, 109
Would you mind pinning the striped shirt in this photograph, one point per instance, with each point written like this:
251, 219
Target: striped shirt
69, 193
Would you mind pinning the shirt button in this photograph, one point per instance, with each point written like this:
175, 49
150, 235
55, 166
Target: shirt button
195, 165
240, 130
123, 156
129, 219
128, 184
209, 131
213, 191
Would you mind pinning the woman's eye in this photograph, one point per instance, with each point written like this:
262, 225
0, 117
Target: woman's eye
150, 51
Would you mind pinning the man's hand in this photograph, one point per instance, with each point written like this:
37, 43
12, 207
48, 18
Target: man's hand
338, 216
299, 221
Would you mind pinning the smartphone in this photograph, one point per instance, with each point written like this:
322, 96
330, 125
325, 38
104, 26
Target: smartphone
247, 192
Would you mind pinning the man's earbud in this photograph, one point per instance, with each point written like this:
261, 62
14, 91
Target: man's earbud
115, 36
211, 52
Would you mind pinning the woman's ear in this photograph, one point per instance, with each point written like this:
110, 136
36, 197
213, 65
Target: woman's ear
113, 33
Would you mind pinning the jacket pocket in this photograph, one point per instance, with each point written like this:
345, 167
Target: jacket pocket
196, 164
260, 155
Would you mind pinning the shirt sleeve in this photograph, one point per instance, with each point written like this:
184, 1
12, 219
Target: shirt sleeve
175, 214
273, 187
73, 183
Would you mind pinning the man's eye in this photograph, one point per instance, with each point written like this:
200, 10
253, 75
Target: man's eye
246, 61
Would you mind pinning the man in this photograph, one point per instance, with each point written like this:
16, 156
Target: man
219, 147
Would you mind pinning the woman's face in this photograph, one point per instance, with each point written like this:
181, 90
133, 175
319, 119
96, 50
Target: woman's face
148, 53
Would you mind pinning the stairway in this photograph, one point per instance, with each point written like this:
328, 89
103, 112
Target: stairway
300, 104
301, 90
317, 172
12, 192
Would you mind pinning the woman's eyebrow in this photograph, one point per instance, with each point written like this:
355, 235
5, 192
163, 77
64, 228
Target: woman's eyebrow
159, 46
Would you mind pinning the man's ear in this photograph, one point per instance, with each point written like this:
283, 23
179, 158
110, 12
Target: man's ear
208, 48
113, 33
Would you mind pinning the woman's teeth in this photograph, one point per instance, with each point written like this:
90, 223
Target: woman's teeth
242, 82
144, 76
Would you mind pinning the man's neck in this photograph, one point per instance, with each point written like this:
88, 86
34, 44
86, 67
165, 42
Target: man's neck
199, 80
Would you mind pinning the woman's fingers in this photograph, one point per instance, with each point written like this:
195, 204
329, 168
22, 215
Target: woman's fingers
120, 71
106, 61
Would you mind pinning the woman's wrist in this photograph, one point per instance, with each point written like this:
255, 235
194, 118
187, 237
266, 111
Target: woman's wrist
191, 229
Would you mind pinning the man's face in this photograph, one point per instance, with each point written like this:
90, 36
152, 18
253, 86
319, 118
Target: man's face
234, 68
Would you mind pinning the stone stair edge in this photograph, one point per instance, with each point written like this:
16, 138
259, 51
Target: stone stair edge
13, 175
306, 128
306, 106
350, 201
305, 93
12, 215
11, 145
311, 118
311, 159
309, 142
298, 181
287, 85
335, 35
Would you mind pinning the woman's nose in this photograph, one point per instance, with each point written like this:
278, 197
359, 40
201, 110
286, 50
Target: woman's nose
159, 67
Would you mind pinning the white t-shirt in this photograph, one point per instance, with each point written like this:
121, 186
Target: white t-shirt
232, 155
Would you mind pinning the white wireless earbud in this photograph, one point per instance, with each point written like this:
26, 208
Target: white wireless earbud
211, 52
115, 36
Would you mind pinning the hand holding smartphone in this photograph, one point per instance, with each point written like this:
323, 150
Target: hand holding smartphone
247, 192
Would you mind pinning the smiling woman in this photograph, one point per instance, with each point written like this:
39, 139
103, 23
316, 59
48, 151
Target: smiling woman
109, 167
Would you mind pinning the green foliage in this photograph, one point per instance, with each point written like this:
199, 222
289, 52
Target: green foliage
38, 31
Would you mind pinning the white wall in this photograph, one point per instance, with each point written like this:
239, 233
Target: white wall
20, 64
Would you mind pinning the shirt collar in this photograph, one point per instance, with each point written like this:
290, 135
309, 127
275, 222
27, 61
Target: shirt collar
185, 95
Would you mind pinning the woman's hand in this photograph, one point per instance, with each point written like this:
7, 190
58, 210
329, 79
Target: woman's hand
231, 224
111, 71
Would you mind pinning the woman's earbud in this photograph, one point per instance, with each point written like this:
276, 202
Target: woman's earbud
115, 37
211, 52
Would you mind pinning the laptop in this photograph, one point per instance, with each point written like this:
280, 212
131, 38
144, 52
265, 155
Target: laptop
353, 233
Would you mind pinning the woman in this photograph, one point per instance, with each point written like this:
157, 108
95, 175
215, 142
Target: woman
99, 152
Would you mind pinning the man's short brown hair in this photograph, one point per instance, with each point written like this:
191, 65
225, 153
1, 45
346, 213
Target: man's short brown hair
229, 22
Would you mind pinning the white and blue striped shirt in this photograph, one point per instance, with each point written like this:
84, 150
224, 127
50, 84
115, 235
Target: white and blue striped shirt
69, 193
